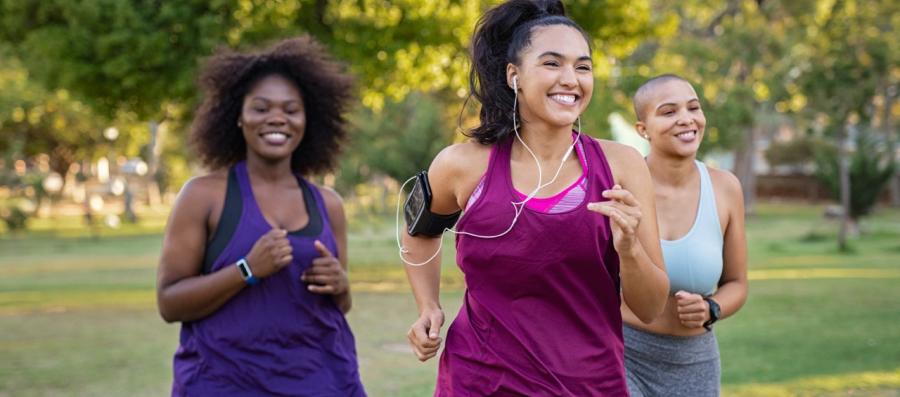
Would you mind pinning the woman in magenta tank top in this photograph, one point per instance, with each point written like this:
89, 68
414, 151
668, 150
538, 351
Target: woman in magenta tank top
558, 227
254, 259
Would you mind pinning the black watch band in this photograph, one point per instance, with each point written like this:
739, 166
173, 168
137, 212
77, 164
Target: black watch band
714, 313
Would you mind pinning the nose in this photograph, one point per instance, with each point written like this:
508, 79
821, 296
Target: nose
276, 118
568, 78
684, 117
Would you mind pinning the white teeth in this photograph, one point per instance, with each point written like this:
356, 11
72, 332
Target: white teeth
568, 99
275, 137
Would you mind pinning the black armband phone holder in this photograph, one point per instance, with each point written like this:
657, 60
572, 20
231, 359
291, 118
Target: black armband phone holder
417, 211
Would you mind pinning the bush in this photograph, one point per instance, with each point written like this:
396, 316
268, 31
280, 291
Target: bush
871, 168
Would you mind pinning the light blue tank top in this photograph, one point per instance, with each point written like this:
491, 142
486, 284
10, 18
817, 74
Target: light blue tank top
694, 262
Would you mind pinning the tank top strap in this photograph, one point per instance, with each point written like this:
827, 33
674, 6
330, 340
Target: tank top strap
232, 212
312, 192
709, 216
600, 174
243, 180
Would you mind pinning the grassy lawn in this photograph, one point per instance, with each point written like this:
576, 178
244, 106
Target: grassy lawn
78, 313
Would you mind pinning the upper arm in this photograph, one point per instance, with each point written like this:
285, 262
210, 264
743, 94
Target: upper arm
334, 204
186, 231
454, 174
630, 171
735, 239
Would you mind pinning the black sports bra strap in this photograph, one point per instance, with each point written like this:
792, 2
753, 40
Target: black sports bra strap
228, 222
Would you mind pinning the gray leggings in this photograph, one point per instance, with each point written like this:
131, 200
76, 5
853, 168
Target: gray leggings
662, 365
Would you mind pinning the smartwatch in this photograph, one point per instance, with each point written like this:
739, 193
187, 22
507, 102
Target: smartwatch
714, 313
246, 273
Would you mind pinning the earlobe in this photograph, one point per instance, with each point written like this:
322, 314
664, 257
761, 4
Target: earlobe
641, 130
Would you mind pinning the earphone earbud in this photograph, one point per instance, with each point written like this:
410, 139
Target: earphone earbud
516, 83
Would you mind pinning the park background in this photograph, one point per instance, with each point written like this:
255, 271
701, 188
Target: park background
96, 99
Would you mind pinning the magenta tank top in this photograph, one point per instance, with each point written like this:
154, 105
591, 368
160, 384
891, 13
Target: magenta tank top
540, 315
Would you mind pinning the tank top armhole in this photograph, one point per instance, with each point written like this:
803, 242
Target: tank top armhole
228, 222
315, 209
482, 185
708, 195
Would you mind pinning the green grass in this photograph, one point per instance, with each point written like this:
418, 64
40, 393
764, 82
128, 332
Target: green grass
78, 313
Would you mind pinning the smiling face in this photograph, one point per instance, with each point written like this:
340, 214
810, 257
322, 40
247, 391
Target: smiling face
555, 76
673, 121
273, 118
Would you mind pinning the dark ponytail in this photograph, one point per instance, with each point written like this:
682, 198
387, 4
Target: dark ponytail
500, 36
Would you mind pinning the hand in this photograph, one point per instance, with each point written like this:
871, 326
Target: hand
271, 253
326, 275
425, 334
624, 212
693, 310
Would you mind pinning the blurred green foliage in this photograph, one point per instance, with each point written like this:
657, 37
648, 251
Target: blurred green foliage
71, 69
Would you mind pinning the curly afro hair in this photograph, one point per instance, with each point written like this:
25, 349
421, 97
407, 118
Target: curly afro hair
227, 77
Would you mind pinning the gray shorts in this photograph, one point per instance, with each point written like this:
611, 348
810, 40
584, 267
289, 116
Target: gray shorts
663, 365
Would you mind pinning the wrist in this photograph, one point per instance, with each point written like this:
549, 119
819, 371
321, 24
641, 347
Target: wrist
713, 313
632, 253
429, 307
246, 271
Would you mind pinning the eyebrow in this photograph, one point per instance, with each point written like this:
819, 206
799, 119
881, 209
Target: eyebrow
266, 99
558, 55
674, 104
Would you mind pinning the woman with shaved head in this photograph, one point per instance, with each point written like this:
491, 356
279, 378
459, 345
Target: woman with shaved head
701, 227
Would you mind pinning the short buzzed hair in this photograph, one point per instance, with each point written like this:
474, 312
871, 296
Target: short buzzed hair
643, 92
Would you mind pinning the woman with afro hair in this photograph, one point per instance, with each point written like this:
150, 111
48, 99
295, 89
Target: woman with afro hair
254, 260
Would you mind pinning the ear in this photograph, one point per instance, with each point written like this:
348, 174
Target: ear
641, 129
512, 74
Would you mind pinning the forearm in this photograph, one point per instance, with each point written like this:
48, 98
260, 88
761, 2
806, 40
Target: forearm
731, 297
196, 297
425, 279
645, 286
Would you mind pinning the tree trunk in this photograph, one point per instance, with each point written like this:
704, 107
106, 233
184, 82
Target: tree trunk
844, 173
890, 93
152, 179
744, 164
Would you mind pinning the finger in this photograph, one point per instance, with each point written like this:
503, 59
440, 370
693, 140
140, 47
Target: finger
276, 233
284, 260
419, 336
326, 262
691, 308
623, 222
437, 321
692, 324
621, 195
320, 289
609, 207
323, 250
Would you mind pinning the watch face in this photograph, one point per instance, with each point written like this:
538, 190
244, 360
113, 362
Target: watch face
714, 309
244, 268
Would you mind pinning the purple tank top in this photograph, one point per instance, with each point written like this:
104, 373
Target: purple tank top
274, 338
540, 315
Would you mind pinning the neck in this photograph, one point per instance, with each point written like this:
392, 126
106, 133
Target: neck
268, 170
671, 171
547, 143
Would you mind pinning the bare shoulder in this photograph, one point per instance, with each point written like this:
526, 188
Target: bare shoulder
725, 183
203, 190
462, 158
454, 174
334, 203
623, 160
615, 151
